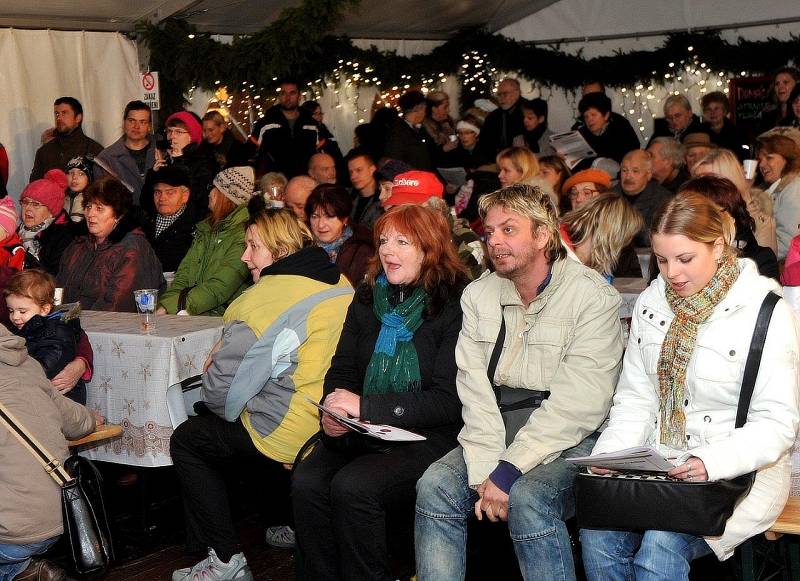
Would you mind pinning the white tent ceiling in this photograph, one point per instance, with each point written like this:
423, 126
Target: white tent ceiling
370, 19
522, 19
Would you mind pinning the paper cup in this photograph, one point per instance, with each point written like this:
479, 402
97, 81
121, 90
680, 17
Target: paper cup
750, 166
146, 300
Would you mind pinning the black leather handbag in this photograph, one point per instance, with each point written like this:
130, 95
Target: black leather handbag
515, 404
640, 502
85, 523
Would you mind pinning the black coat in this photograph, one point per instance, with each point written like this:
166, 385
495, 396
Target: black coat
661, 128
52, 342
197, 161
413, 146
53, 240
435, 410
730, 137
618, 139
230, 152
283, 149
499, 130
174, 242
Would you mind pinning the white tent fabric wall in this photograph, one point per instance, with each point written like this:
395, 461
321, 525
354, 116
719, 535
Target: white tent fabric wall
100, 69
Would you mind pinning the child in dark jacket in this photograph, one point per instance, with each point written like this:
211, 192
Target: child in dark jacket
51, 338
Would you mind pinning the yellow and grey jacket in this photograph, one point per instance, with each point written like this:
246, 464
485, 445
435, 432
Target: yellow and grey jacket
567, 341
277, 345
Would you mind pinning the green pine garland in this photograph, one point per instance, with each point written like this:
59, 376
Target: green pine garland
299, 44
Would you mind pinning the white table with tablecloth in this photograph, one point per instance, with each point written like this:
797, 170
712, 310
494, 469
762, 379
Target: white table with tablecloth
136, 377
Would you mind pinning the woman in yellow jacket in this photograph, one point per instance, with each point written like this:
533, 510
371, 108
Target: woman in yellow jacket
279, 337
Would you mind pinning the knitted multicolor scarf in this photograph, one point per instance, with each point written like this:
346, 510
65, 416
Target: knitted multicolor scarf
394, 365
332, 248
690, 313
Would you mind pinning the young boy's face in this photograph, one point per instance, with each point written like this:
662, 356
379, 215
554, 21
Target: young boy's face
77, 180
22, 309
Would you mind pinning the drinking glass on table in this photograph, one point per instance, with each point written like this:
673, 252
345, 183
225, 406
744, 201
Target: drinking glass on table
146, 300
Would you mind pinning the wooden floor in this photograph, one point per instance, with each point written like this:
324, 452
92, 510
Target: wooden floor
266, 563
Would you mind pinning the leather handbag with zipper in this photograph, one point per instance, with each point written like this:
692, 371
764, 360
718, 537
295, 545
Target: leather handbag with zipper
85, 522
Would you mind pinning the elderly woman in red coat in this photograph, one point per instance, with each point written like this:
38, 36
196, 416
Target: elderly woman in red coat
103, 268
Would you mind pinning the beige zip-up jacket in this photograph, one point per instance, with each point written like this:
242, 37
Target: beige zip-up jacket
568, 341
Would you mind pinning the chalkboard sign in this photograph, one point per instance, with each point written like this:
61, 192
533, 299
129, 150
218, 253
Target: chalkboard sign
748, 97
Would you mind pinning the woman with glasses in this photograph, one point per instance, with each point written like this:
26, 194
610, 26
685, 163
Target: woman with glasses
186, 151
45, 228
584, 185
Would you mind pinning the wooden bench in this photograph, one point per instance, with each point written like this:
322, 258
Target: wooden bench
101, 434
788, 522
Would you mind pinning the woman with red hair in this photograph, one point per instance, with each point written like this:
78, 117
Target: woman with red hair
395, 364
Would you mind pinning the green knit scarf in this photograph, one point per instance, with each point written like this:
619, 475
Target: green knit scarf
673, 361
394, 365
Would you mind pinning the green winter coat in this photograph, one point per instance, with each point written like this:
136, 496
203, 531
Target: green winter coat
212, 268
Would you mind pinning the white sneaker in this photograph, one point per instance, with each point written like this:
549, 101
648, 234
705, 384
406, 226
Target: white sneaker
212, 569
281, 537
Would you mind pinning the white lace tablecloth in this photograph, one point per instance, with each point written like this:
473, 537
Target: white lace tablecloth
132, 373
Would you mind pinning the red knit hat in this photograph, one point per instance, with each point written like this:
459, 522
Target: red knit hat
192, 125
414, 187
48, 191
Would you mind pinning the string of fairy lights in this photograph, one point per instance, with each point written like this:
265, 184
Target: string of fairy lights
477, 78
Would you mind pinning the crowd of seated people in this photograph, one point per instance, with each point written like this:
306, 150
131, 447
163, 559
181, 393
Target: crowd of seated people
418, 303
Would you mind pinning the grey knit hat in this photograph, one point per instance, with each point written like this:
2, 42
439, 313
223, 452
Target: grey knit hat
238, 184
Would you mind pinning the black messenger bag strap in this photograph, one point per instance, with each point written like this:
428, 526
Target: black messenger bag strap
498, 348
754, 356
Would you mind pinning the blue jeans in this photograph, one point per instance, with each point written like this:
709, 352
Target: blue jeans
539, 502
625, 556
14, 559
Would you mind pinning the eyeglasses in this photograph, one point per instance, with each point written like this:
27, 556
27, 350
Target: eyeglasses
176, 131
167, 192
588, 192
30, 203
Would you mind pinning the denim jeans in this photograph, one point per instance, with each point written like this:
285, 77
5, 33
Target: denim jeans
539, 503
14, 559
625, 556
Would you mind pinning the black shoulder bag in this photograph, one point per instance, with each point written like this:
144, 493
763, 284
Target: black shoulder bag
516, 404
640, 502
85, 522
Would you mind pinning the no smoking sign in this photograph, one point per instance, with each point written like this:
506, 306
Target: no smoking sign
149, 88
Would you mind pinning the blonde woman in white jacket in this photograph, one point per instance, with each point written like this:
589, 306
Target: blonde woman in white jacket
680, 382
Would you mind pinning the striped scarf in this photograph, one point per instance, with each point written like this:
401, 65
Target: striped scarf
673, 361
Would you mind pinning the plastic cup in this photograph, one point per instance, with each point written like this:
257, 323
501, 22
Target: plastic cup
146, 300
750, 166
58, 296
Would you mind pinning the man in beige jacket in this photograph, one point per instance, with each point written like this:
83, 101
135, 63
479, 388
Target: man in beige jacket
563, 344
30, 502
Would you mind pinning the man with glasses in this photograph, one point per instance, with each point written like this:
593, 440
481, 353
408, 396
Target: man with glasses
170, 225
129, 158
585, 185
504, 124
68, 141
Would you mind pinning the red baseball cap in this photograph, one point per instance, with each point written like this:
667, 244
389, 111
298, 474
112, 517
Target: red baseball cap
414, 187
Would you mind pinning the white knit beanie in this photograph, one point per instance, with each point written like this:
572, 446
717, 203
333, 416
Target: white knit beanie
236, 183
